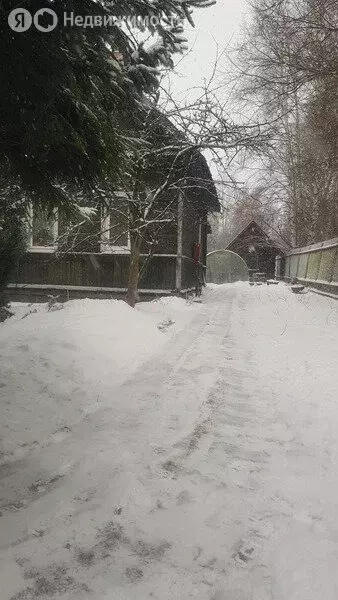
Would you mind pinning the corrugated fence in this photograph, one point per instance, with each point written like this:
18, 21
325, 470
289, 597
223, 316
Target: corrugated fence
315, 266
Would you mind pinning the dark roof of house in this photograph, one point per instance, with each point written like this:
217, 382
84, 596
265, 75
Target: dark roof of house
191, 166
259, 234
200, 186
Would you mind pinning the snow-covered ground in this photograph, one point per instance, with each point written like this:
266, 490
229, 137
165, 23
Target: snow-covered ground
194, 460
59, 366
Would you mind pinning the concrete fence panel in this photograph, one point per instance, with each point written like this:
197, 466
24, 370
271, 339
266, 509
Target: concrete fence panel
327, 264
335, 270
303, 265
294, 265
315, 265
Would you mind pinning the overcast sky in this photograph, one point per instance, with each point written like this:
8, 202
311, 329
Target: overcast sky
216, 28
218, 25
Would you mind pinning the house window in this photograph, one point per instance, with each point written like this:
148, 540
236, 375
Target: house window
80, 232
115, 236
43, 231
88, 232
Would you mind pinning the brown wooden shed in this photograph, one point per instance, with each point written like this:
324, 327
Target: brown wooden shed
257, 248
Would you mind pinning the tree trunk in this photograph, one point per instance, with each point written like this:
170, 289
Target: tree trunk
134, 271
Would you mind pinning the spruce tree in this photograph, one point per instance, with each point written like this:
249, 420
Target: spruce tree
69, 96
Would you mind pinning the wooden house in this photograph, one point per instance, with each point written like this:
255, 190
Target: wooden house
95, 264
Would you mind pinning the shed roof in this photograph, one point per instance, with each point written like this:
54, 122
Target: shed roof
270, 241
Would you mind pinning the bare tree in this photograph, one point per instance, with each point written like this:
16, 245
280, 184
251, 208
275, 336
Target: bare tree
169, 147
162, 151
288, 65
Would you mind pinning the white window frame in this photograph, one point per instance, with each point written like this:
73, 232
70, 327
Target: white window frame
74, 227
42, 249
106, 247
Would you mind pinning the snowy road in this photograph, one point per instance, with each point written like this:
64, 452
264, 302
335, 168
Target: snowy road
213, 474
